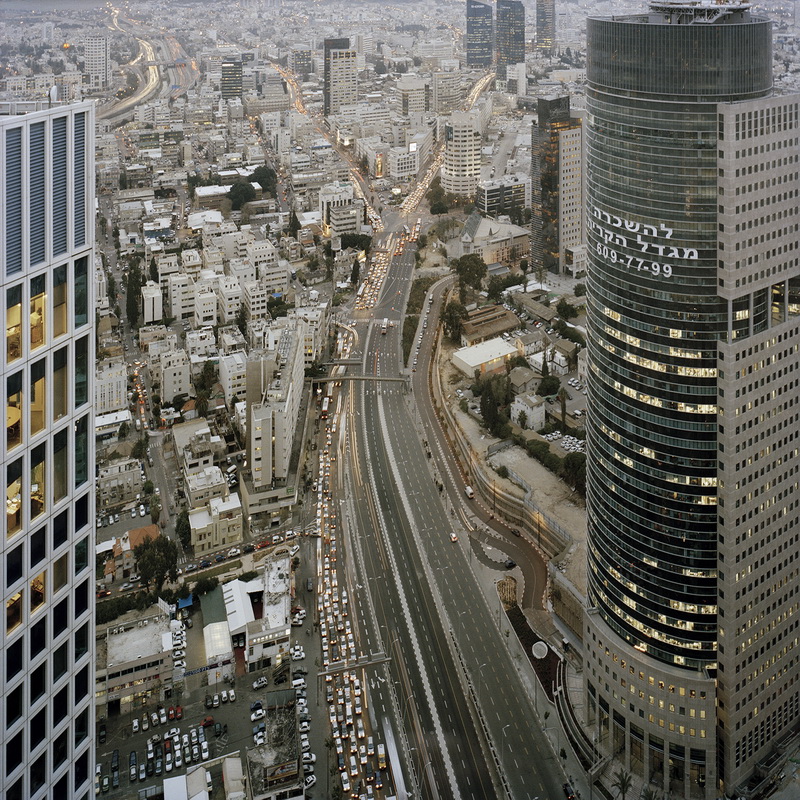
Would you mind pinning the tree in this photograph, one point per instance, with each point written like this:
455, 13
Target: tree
266, 178
380, 68
566, 310
522, 420
622, 783
153, 270
294, 224
123, 431
354, 272
207, 378
241, 320
201, 403
452, 317
157, 560
471, 270
206, 584
439, 207
134, 288
422, 241
183, 529
241, 192
155, 509
580, 291
148, 487
562, 399
139, 450
548, 385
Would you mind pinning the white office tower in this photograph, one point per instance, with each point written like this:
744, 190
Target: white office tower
46, 271
461, 169
97, 61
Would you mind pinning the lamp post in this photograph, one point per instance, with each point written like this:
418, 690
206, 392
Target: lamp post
504, 738
480, 678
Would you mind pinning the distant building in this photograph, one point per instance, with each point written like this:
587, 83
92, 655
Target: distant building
110, 386
480, 34
340, 77
97, 62
546, 26
487, 358
556, 184
118, 484
217, 525
509, 35
487, 322
301, 61
494, 241
446, 92
230, 83
461, 168
529, 409
502, 195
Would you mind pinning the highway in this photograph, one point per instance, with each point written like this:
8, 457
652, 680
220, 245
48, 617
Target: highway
416, 595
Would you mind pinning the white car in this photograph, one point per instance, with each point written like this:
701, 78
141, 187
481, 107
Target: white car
231, 695
309, 758
204, 750
260, 683
257, 715
310, 781
304, 727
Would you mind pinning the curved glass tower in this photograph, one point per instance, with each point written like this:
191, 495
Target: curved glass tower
692, 235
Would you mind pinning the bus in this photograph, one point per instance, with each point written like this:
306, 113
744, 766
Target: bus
385, 326
326, 402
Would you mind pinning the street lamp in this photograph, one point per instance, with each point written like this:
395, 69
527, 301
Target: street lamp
480, 679
504, 738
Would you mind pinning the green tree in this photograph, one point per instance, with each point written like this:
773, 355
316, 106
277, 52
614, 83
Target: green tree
522, 420
422, 241
183, 529
549, 385
453, 317
148, 487
133, 290
241, 320
155, 509
580, 291
156, 560
294, 224
622, 783
241, 192
573, 471
123, 431
201, 403
566, 310
206, 584
471, 270
562, 399
266, 178
439, 207
354, 272
139, 449
380, 68
207, 378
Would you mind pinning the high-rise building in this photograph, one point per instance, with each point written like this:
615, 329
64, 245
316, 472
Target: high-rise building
414, 95
461, 168
446, 92
230, 84
46, 269
691, 651
340, 78
97, 61
480, 34
301, 60
556, 184
509, 35
545, 26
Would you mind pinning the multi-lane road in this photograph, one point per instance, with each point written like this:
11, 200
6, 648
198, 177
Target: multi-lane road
451, 678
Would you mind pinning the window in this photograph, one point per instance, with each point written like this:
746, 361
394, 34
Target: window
13, 612
38, 397
13, 701
81, 726
60, 659
38, 769
81, 769
81, 371
38, 682
60, 705
14, 753
60, 529
13, 201
38, 728
81, 598
14, 408
14, 565
14, 657
60, 300
60, 465
61, 617
60, 382
38, 638
38, 476
81, 512
82, 684
81, 555
38, 311
38, 591
81, 451
82, 641
36, 193
81, 291
58, 176
13, 323
14, 497
60, 749
60, 572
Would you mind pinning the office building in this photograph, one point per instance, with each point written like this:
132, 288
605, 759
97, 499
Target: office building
461, 168
480, 34
46, 270
446, 92
546, 26
230, 83
691, 650
556, 184
97, 62
340, 75
301, 61
509, 35
504, 195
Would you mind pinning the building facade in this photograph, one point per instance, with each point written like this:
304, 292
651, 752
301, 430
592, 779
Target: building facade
509, 35
480, 34
97, 62
340, 76
461, 168
691, 656
556, 184
46, 269
546, 26
230, 83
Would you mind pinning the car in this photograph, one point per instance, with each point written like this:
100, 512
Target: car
209, 700
224, 696
102, 733
171, 712
217, 729
162, 715
231, 695
215, 701
135, 725
453, 537
178, 653
179, 663
193, 735
257, 715
259, 738
195, 753
178, 758
159, 766
260, 683
172, 733
256, 705
178, 712
207, 722
142, 771
304, 727
569, 792
153, 718
309, 758
309, 781
510, 563
298, 655
105, 784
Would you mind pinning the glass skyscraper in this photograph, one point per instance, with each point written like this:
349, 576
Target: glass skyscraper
47, 275
480, 34
694, 337
545, 26
509, 35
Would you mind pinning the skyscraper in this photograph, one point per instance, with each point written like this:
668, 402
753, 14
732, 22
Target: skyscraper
230, 84
691, 650
340, 77
47, 269
510, 35
480, 34
97, 61
461, 168
556, 184
545, 26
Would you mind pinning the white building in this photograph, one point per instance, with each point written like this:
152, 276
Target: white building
97, 61
180, 296
255, 299
175, 375
218, 524
486, 358
110, 387
533, 408
461, 169
229, 299
233, 375
205, 307
152, 300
